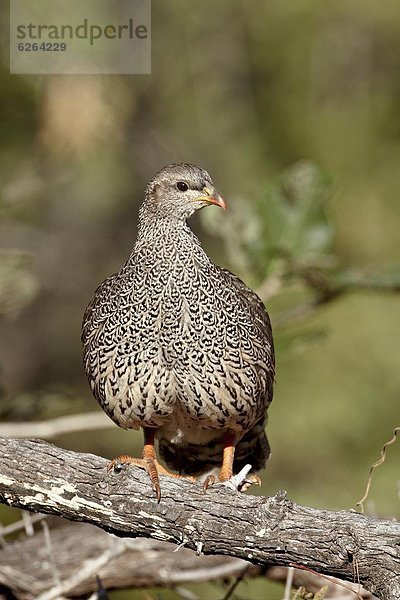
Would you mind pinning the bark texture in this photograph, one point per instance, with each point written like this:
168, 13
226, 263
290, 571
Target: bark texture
265, 531
66, 558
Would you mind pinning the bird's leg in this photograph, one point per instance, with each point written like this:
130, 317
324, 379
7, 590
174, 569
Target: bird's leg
226, 471
242, 481
148, 462
149, 457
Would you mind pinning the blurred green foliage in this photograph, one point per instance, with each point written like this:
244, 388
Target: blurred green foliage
18, 284
294, 108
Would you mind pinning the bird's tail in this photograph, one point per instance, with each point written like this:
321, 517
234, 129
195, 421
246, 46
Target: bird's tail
195, 459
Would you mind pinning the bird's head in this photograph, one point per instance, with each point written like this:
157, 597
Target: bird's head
180, 189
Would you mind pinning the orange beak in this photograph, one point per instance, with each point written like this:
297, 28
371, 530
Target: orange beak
211, 196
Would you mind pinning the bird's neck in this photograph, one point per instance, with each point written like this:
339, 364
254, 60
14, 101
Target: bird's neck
166, 238
163, 230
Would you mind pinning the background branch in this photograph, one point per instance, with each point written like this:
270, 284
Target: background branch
50, 428
128, 563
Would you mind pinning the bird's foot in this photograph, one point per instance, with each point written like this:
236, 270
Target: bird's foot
239, 482
248, 481
149, 464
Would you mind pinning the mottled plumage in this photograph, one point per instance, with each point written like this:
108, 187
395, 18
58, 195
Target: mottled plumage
176, 343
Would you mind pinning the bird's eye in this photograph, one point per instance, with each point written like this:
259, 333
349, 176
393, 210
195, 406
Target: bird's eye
182, 186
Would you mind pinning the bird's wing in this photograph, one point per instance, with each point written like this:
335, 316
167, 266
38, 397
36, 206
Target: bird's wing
97, 310
260, 316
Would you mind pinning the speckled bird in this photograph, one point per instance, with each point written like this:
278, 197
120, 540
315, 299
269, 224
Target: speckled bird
180, 347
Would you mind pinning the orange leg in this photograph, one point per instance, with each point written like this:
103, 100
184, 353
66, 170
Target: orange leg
226, 471
148, 462
241, 481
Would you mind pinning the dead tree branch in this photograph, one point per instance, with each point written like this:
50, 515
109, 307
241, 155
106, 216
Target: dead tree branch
130, 563
39, 477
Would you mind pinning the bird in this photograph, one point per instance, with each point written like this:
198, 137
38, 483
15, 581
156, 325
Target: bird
180, 347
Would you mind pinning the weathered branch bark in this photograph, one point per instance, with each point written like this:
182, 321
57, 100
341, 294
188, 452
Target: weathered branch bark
80, 552
86, 551
39, 477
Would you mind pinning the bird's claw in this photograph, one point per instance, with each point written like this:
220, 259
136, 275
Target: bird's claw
250, 480
238, 483
241, 481
210, 480
118, 463
148, 464
152, 470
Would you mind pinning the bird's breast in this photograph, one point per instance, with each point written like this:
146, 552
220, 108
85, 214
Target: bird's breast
171, 355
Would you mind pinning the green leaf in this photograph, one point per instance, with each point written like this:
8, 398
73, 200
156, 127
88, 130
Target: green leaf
294, 217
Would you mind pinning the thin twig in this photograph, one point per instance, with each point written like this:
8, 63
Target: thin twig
89, 568
186, 594
360, 503
50, 553
238, 579
329, 579
28, 524
13, 527
288, 583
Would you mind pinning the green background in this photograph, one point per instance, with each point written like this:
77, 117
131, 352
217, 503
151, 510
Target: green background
293, 107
